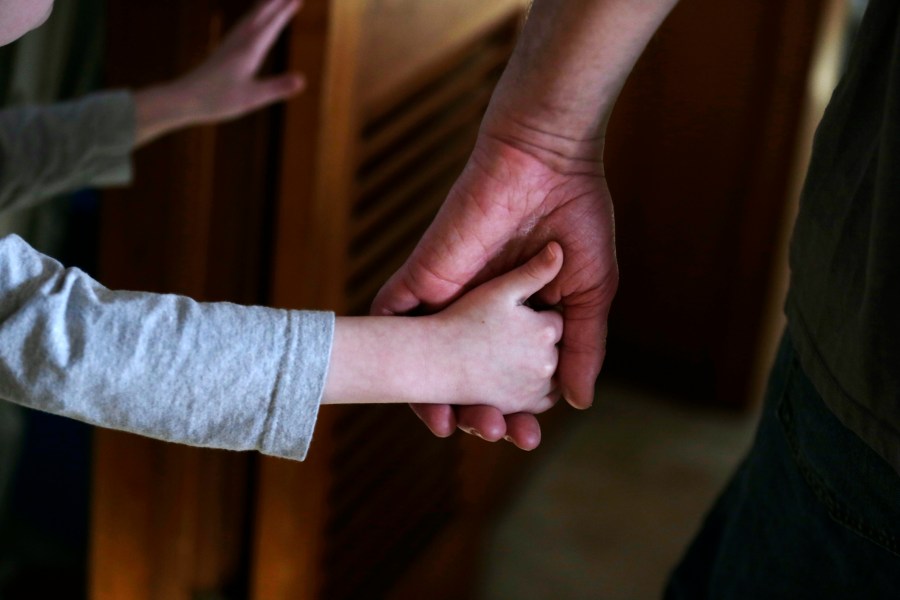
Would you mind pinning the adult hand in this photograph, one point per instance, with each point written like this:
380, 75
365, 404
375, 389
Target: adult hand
225, 86
507, 204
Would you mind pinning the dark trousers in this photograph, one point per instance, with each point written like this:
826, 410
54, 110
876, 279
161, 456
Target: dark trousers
812, 512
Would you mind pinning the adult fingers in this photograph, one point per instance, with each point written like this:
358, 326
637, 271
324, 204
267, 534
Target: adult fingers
483, 421
439, 418
523, 431
394, 297
582, 351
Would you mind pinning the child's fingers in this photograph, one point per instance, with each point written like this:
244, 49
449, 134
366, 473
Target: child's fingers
523, 431
263, 12
525, 281
276, 89
265, 36
553, 323
546, 403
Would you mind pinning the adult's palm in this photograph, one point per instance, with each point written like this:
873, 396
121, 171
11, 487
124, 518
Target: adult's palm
505, 206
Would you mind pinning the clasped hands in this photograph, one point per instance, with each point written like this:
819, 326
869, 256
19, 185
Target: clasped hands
506, 206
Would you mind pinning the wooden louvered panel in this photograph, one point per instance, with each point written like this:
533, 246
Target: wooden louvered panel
361, 290
394, 487
405, 212
407, 41
385, 131
402, 158
378, 508
411, 154
388, 201
356, 471
354, 429
378, 491
391, 493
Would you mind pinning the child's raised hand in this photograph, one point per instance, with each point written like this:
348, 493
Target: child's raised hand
225, 85
505, 351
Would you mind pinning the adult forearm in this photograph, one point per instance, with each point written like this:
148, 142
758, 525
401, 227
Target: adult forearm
572, 59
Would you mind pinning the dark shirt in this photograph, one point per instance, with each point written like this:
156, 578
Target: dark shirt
843, 306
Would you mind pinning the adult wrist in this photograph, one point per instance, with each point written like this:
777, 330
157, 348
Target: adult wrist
566, 141
566, 153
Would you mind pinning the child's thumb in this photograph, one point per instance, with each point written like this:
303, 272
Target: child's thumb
528, 279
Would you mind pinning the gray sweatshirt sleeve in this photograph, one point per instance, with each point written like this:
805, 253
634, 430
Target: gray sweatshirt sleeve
47, 150
164, 366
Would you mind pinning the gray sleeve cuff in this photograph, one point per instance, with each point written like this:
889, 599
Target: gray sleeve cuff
301, 382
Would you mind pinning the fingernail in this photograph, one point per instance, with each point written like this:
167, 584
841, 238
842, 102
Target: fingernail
513, 442
549, 253
567, 395
472, 431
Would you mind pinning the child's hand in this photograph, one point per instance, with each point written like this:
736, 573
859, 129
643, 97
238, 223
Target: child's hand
225, 86
485, 348
505, 352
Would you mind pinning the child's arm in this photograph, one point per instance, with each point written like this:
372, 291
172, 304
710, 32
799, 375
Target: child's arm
243, 377
486, 348
49, 150
164, 366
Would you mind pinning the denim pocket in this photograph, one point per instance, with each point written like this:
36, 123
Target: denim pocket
855, 485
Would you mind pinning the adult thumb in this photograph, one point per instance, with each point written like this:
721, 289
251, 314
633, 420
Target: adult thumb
394, 298
528, 279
